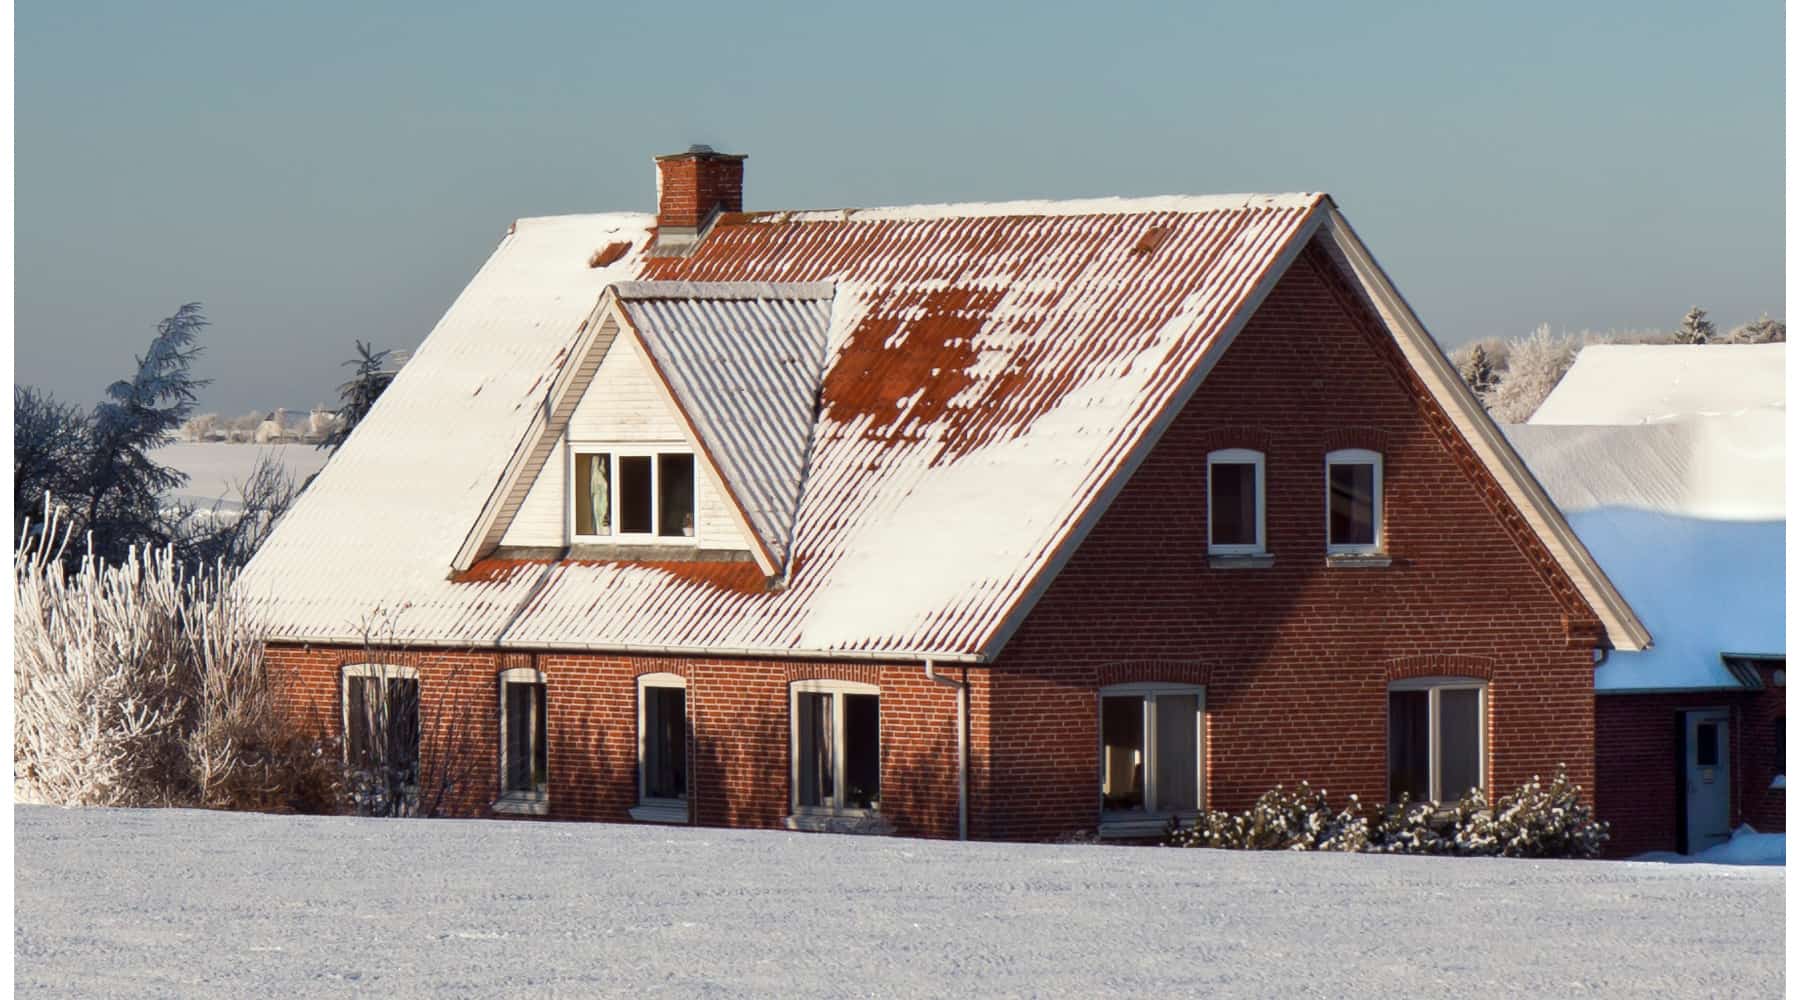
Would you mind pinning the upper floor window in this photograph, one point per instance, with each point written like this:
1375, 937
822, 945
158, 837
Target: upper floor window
1234, 502
632, 494
1353, 501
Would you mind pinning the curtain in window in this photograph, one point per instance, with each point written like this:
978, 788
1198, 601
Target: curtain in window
1352, 503
1177, 755
1233, 503
1409, 744
1459, 741
599, 495
1122, 752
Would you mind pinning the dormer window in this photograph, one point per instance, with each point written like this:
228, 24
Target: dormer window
632, 494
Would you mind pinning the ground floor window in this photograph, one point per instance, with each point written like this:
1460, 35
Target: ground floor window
381, 736
662, 748
1436, 737
836, 747
1151, 738
524, 743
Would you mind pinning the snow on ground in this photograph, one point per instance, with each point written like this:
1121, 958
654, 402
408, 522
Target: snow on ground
216, 470
182, 904
1746, 847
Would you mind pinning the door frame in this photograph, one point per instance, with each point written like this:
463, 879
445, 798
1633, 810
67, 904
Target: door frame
1683, 718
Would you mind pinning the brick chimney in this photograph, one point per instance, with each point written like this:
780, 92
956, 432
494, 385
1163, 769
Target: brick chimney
692, 188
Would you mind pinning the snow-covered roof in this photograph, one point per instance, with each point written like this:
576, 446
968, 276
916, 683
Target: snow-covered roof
1688, 519
991, 374
1656, 383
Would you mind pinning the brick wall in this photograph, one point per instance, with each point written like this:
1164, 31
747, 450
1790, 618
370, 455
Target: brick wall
1296, 656
738, 718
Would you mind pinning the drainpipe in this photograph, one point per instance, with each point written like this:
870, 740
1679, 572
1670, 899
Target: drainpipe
962, 746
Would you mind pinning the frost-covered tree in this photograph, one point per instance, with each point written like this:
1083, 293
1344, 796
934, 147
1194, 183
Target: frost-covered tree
124, 488
1695, 328
1533, 367
1478, 369
1759, 331
357, 396
50, 452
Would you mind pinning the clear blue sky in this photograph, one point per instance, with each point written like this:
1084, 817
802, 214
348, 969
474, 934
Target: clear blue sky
316, 173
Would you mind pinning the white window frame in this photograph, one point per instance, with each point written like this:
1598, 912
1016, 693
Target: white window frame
530, 802
839, 758
659, 810
1356, 456
1239, 456
1150, 820
380, 671
1435, 685
650, 450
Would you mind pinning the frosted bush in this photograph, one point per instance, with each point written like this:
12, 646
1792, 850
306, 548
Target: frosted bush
1537, 820
1533, 367
137, 684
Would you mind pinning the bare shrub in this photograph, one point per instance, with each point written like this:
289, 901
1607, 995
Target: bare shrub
141, 684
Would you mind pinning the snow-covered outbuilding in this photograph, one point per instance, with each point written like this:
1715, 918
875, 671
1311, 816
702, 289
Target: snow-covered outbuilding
1006, 520
1669, 462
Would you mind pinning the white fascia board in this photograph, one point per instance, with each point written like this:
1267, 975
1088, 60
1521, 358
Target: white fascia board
1623, 628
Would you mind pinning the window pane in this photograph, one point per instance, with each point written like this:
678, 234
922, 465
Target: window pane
634, 494
1232, 503
593, 496
403, 726
862, 750
1122, 752
520, 728
675, 480
1177, 755
1459, 741
540, 755
1706, 744
360, 721
1352, 503
814, 746
1409, 742
665, 743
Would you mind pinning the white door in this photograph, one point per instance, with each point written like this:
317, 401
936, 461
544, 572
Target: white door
1708, 775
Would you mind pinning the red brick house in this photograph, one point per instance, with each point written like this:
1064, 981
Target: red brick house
1670, 463
1006, 520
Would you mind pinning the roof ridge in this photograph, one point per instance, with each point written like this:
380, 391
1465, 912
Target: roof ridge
731, 290
1108, 205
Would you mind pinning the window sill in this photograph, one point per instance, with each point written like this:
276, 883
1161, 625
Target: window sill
1261, 560
847, 821
1140, 825
660, 812
1358, 560
522, 805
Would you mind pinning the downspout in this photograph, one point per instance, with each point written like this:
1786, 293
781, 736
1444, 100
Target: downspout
962, 746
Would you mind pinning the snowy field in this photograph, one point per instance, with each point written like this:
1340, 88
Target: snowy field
179, 903
218, 470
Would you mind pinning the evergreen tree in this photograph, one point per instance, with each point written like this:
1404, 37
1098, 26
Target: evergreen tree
50, 454
1695, 328
1477, 369
123, 489
358, 395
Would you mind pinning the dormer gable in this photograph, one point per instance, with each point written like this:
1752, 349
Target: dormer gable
682, 431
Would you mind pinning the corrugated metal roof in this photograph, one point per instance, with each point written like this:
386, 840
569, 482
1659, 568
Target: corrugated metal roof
744, 361
991, 370
991, 373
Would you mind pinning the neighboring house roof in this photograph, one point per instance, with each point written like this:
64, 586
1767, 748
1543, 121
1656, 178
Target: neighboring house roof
991, 374
1654, 383
1686, 515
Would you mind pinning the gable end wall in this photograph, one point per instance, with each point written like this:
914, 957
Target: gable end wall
1297, 655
